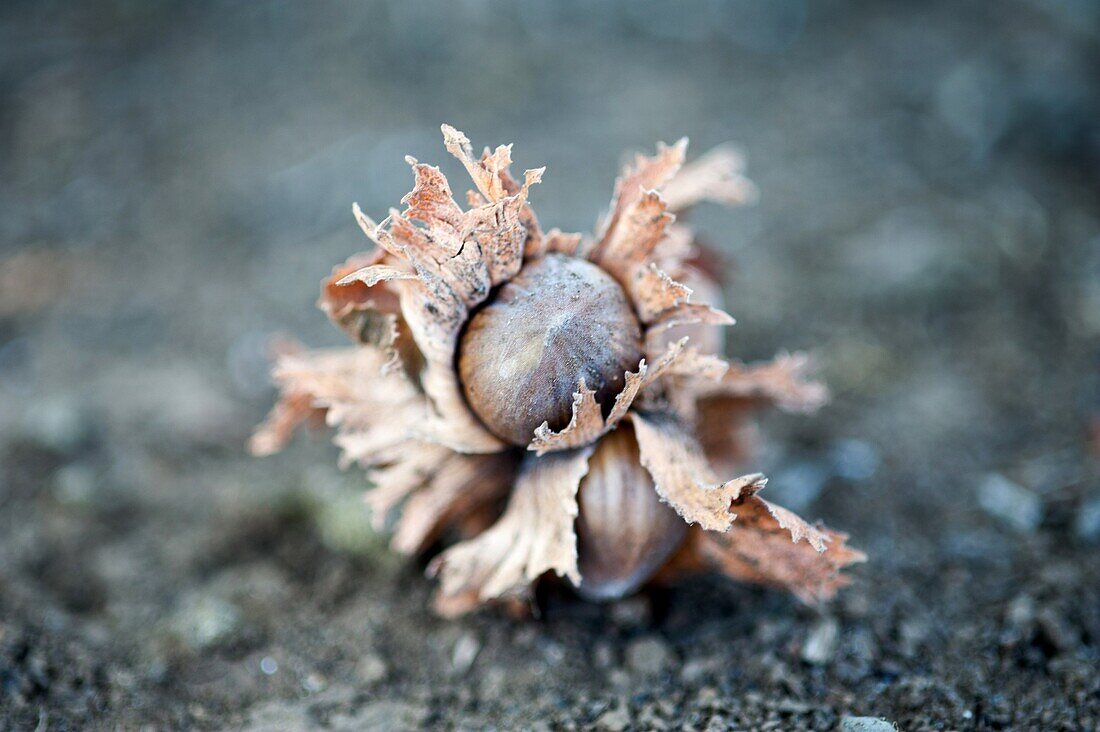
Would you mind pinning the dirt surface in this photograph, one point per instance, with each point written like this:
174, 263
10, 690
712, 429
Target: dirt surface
178, 177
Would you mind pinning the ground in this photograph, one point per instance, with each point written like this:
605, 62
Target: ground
178, 178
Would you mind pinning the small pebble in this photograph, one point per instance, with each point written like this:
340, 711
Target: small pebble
632, 612
553, 652
707, 697
204, 621
465, 652
276, 715
698, 669
1062, 635
371, 669
59, 424
648, 656
820, 646
862, 644
866, 724
1010, 502
314, 682
603, 656
911, 634
619, 679
382, 714
614, 720
1087, 523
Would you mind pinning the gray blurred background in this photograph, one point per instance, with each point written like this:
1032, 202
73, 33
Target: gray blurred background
176, 178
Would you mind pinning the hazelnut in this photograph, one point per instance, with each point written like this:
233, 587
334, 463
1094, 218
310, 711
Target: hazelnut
624, 532
522, 356
497, 325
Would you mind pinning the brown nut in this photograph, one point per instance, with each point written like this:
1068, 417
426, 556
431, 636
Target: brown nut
522, 356
624, 532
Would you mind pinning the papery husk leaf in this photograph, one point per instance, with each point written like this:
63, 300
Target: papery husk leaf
366, 307
646, 174
770, 545
431, 200
373, 274
706, 338
451, 423
457, 257
536, 243
535, 535
638, 243
459, 485
560, 242
406, 473
654, 292
784, 381
282, 421
716, 176
484, 172
698, 365
587, 423
681, 474
630, 242
373, 409
726, 431
656, 335
674, 250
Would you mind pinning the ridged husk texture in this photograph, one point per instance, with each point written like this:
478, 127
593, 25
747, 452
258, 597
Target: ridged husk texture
628, 467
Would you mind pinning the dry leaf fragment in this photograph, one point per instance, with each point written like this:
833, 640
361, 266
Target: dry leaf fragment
461, 485
534, 536
292, 409
630, 243
770, 545
646, 174
784, 381
687, 314
655, 292
716, 176
588, 423
682, 476
371, 408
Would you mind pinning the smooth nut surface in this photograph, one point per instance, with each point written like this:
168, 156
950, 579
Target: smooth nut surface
558, 321
624, 532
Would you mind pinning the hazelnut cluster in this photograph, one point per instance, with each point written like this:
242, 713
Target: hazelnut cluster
549, 403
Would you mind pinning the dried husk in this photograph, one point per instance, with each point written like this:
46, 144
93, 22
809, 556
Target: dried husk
534, 536
770, 545
398, 408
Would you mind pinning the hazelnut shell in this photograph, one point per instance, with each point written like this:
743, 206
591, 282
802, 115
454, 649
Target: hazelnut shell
559, 321
624, 532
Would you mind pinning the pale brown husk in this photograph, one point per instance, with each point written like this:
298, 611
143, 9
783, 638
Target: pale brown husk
396, 404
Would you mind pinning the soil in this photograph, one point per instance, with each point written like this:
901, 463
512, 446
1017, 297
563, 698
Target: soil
179, 177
